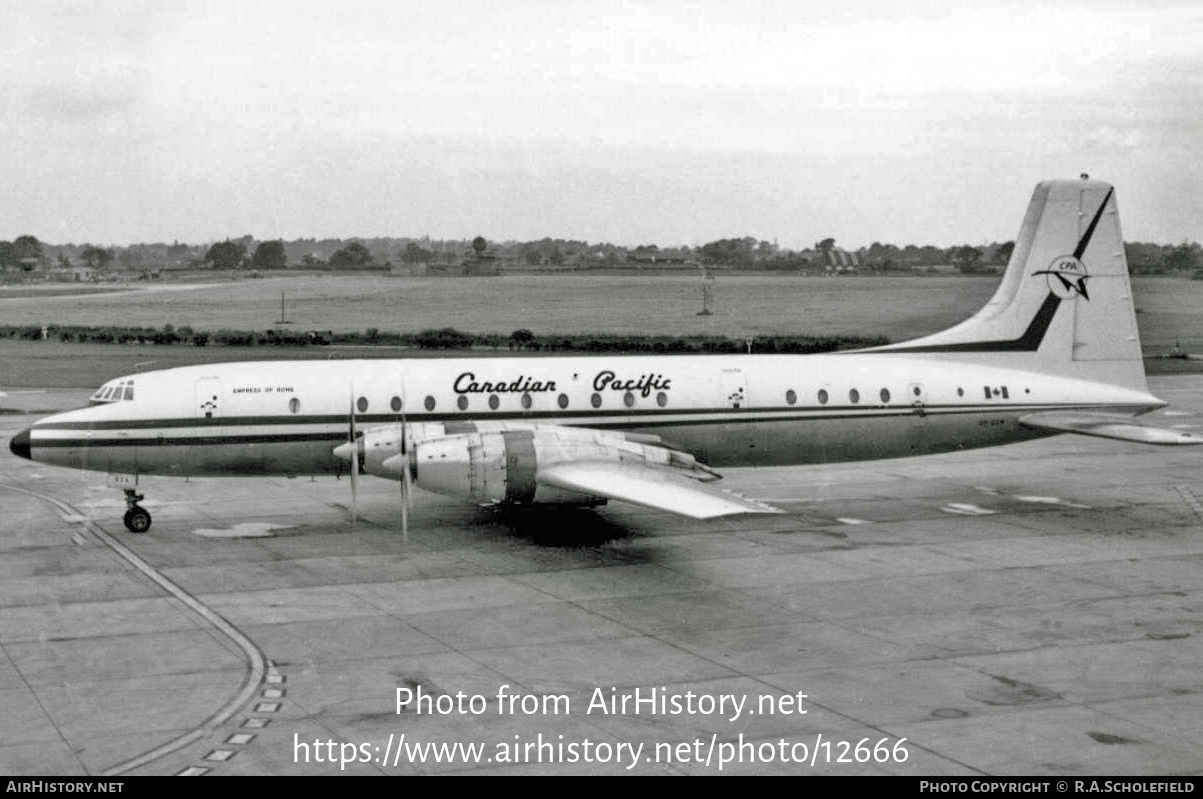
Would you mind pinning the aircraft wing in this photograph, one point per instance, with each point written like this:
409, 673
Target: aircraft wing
651, 487
1123, 428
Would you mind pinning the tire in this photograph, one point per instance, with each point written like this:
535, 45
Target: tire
137, 520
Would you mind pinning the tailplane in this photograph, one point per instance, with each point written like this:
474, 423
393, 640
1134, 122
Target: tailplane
1064, 305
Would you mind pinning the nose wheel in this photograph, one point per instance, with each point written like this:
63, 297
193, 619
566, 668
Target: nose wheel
137, 520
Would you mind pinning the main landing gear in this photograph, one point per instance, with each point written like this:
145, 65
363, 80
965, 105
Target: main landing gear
137, 520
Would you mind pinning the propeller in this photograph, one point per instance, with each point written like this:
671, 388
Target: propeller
353, 441
400, 464
407, 494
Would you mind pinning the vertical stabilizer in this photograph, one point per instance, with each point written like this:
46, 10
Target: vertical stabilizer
1064, 305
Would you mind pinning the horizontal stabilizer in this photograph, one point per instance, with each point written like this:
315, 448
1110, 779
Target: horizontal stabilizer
651, 487
1123, 428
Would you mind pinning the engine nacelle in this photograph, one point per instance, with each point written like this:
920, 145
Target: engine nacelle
501, 463
381, 444
497, 467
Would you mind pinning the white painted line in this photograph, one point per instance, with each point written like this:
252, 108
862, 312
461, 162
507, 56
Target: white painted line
193, 771
220, 755
244, 530
853, 521
267, 707
256, 662
272, 693
965, 509
241, 738
274, 678
256, 724
1051, 501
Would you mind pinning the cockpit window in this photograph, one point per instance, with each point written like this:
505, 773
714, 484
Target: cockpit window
116, 391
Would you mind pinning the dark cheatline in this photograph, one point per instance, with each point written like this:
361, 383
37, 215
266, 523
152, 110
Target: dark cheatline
1031, 338
1085, 242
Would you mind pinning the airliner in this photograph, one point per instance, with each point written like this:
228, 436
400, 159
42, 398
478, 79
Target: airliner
1055, 350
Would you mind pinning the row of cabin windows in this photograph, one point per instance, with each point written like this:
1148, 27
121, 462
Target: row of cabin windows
628, 399
791, 396
362, 404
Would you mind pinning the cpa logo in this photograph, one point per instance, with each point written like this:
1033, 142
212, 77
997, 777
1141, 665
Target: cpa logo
1066, 277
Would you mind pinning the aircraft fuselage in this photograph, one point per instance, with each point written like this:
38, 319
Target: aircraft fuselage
285, 417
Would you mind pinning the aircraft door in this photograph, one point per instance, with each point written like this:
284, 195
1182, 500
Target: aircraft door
208, 397
735, 388
918, 398
918, 433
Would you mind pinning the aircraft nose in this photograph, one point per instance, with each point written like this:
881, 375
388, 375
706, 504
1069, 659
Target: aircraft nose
20, 444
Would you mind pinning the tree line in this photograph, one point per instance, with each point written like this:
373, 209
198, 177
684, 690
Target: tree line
27, 253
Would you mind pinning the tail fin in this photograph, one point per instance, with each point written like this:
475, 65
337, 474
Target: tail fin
1065, 303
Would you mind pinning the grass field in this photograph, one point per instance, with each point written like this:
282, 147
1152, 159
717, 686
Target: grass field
1169, 311
743, 305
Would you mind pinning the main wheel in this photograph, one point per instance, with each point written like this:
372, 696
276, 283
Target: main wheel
137, 520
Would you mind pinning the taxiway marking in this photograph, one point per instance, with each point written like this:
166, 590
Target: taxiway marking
256, 662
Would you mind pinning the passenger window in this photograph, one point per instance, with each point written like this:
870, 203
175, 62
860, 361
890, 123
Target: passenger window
462, 402
822, 396
854, 396
429, 403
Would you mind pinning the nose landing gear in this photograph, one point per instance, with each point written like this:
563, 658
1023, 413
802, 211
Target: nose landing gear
137, 520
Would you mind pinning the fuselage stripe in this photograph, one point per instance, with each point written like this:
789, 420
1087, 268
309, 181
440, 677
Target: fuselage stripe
173, 433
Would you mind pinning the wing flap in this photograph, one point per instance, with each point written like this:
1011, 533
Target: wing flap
651, 487
1122, 428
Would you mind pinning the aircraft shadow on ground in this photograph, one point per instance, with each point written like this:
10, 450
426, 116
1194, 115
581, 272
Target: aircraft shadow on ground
559, 527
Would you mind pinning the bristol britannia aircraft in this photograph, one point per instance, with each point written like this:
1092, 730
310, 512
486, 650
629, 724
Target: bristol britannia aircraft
1055, 350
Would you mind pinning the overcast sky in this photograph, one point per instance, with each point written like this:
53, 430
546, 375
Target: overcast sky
665, 123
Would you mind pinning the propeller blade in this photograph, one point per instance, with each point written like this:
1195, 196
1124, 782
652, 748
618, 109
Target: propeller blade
354, 460
406, 488
405, 501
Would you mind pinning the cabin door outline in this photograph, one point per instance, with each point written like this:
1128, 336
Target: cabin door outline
918, 433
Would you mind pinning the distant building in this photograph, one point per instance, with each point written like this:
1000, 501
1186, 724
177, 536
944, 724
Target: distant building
75, 274
837, 260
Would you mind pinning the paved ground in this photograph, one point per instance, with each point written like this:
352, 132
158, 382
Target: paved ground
1031, 609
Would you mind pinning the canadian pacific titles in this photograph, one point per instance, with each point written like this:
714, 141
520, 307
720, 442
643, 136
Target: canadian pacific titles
645, 384
656, 701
